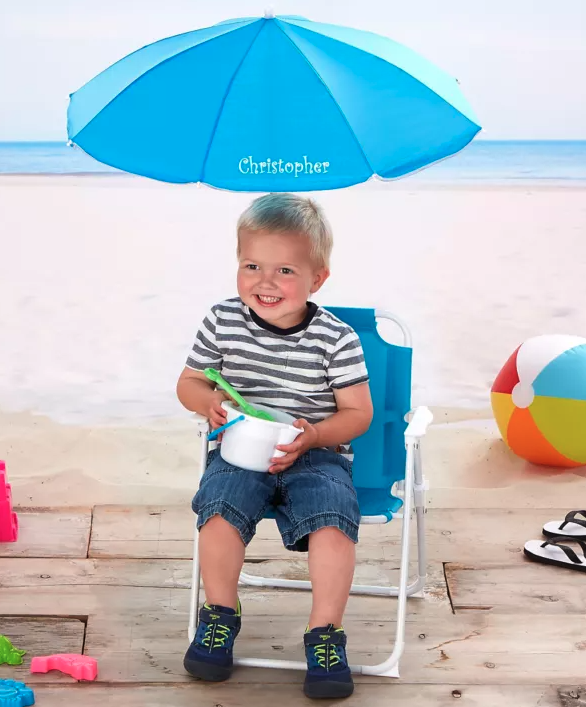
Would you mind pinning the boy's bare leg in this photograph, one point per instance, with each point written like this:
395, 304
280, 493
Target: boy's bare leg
221, 556
332, 558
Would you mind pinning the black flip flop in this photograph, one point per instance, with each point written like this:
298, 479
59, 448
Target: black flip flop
556, 551
571, 526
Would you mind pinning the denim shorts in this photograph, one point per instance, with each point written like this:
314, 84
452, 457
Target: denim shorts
315, 492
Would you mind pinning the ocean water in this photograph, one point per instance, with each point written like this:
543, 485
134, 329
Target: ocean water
483, 161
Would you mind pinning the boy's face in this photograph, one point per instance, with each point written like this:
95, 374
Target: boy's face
276, 276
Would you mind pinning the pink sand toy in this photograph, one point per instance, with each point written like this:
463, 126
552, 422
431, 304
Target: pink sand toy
8, 518
81, 667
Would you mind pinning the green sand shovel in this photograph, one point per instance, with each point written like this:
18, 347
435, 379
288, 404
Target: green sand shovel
246, 408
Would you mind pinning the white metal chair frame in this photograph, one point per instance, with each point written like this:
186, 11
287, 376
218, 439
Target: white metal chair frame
413, 491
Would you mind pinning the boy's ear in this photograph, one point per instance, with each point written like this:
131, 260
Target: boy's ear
319, 278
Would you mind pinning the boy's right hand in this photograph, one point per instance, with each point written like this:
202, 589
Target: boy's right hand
216, 413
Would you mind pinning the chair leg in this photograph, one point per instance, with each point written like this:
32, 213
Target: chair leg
194, 594
419, 487
195, 572
390, 667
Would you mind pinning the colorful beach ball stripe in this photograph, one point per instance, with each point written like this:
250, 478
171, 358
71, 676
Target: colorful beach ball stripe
539, 401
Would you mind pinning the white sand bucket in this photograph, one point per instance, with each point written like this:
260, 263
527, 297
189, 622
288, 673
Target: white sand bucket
250, 443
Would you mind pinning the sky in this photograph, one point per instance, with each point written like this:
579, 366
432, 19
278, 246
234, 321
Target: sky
520, 63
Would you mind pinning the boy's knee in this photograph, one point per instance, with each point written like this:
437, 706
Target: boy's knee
218, 524
331, 533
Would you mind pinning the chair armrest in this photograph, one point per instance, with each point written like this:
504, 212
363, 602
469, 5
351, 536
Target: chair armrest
202, 422
417, 427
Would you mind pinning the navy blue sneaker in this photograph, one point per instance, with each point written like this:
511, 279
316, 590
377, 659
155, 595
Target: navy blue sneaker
328, 675
209, 657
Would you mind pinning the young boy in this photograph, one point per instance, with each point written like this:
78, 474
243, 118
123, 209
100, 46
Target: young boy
280, 350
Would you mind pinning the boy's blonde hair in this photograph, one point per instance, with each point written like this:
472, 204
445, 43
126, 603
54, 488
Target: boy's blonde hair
289, 213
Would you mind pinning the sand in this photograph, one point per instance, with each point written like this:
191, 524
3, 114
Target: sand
105, 280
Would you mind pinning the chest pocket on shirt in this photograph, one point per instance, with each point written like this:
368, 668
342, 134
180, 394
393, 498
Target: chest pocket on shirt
311, 366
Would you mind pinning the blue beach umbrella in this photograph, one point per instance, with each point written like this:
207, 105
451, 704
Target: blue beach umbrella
271, 104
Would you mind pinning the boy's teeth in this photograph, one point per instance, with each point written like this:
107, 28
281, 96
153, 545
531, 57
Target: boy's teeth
268, 300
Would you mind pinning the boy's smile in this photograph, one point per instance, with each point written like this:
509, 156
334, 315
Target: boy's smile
267, 301
276, 276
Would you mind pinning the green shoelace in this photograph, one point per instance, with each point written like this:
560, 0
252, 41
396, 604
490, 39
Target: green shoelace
326, 654
216, 635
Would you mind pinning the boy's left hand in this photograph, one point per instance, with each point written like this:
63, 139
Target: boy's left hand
306, 440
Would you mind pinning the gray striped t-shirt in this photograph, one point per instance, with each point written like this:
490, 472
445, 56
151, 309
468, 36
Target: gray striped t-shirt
295, 370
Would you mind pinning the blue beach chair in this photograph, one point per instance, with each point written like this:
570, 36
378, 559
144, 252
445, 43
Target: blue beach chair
387, 459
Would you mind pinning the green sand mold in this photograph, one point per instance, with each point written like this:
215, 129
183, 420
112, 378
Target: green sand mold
8, 653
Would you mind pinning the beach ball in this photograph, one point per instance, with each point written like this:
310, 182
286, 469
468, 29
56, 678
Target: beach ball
539, 401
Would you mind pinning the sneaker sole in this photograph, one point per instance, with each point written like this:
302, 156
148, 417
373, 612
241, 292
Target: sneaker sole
328, 690
207, 671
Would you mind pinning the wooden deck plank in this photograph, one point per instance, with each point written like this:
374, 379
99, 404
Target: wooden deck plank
262, 695
177, 573
50, 532
167, 532
484, 535
429, 635
157, 666
527, 586
41, 636
494, 535
83, 600
154, 665
452, 535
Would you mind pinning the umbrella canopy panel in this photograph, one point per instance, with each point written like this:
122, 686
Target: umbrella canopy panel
271, 104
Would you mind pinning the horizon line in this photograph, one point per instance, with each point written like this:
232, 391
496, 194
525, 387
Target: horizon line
476, 141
